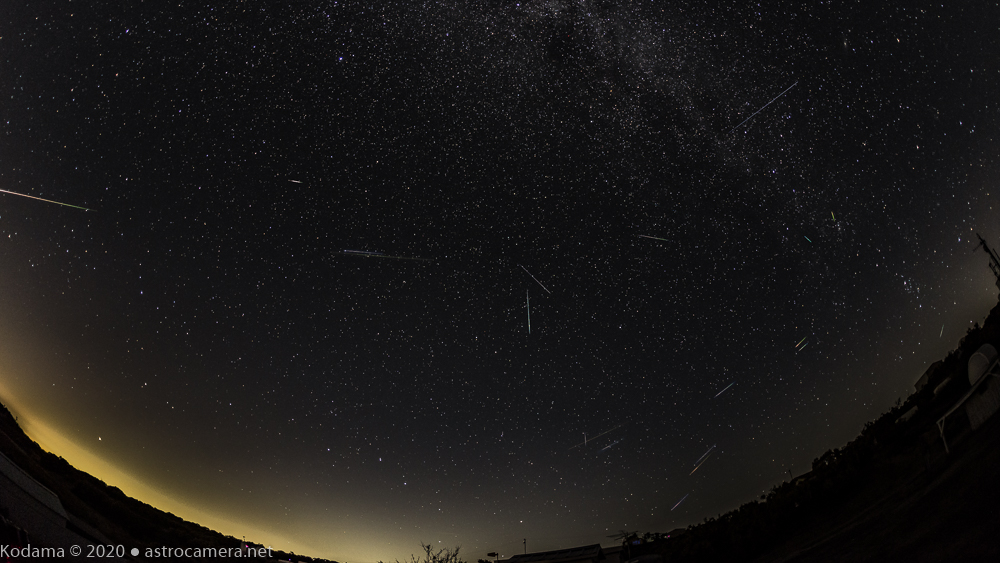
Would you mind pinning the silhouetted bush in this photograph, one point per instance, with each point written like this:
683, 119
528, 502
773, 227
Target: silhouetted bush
441, 556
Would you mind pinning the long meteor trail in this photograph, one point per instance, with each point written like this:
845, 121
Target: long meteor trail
366, 254
700, 464
654, 238
724, 390
46, 200
705, 454
527, 302
536, 279
762, 109
680, 501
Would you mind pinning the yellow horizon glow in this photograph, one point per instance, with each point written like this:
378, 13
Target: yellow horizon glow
53, 441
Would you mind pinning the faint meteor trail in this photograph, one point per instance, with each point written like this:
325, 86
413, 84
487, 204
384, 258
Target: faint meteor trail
801, 341
680, 501
585, 439
296, 181
536, 279
762, 109
609, 446
366, 254
803, 347
700, 464
724, 390
834, 216
654, 238
705, 454
942, 332
46, 200
528, 305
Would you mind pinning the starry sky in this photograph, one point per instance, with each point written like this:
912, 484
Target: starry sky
297, 307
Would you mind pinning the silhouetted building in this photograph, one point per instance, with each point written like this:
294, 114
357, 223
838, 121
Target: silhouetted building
585, 554
928, 374
676, 532
983, 398
908, 414
613, 554
30, 506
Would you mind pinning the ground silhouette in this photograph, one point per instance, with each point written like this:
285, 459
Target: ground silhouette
892, 494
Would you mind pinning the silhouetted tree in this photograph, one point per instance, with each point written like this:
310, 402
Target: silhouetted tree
443, 555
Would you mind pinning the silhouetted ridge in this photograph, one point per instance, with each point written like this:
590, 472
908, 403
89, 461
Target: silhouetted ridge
887, 495
92, 503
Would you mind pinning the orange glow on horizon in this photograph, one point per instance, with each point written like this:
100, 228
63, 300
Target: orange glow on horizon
53, 441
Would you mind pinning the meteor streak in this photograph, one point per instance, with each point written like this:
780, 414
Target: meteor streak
705, 454
585, 439
803, 347
762, 109
680, 501
654, 238
528, 305
700, 464
724, 390
942, 332
807, 238
296, 181
46, 200
534, 278
607, 447
834, 216
366, 254
801, 341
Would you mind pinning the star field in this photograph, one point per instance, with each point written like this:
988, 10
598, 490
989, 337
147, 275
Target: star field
243, 321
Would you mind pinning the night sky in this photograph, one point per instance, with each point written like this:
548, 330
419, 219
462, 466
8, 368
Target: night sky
297, 308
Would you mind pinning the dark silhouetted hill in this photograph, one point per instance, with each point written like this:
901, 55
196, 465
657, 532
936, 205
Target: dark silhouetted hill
124, 520
892, 494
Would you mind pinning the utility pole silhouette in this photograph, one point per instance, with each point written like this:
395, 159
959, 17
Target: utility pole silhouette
994, 259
